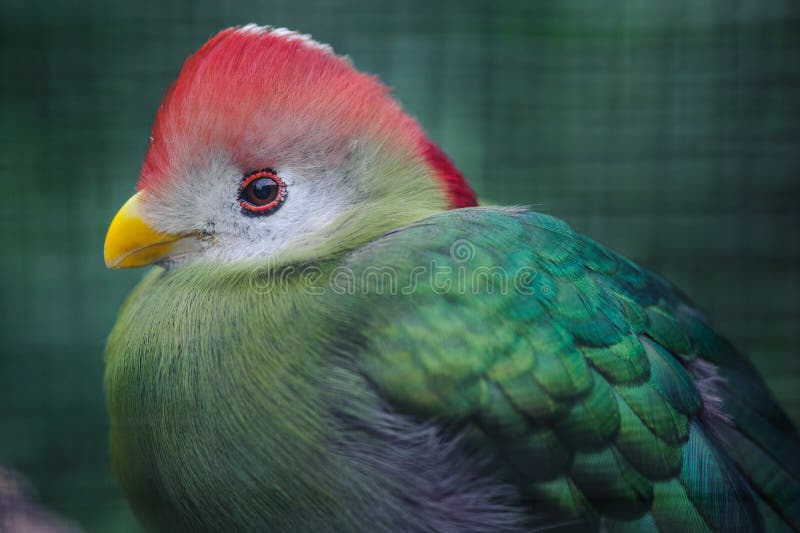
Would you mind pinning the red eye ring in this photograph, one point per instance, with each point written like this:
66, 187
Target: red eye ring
261, 192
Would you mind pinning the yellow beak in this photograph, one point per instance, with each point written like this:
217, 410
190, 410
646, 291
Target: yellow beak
130, 242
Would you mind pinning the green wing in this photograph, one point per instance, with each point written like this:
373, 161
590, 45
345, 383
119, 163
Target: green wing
594, 385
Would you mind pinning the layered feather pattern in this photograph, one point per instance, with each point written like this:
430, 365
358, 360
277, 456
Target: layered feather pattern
581, 379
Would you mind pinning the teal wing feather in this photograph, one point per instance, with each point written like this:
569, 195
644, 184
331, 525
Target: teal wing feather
594, 385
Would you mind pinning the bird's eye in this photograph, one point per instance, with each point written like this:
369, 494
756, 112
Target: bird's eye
261, 192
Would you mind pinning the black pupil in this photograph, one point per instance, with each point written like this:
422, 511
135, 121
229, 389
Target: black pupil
262, 191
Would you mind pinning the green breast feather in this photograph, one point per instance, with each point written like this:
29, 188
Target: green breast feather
594, 385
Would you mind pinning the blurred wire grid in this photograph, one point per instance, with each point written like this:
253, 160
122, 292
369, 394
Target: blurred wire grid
668, 130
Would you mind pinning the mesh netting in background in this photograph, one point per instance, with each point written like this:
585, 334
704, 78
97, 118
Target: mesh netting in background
668, 130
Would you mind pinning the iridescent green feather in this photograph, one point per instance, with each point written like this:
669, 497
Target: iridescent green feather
579, 377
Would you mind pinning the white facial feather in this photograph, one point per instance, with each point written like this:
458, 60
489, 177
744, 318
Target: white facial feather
287, 34
206, 207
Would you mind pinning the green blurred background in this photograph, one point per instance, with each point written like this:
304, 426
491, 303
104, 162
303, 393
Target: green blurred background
668, 130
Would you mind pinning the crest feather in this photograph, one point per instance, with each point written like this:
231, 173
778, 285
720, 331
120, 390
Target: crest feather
255, 90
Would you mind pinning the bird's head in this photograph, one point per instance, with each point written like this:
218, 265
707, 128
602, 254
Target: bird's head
269, 145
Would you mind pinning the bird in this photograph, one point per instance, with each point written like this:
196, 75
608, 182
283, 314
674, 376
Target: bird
334, 335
